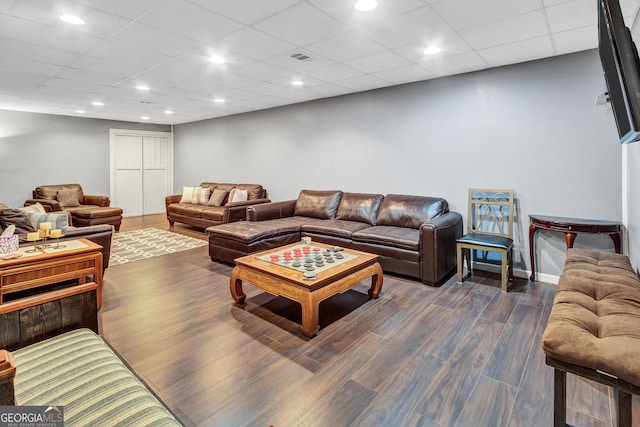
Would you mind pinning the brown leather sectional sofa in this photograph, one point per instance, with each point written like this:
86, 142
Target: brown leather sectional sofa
413, 235
203, 216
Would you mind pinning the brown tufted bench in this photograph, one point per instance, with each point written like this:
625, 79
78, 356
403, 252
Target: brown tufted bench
594, 328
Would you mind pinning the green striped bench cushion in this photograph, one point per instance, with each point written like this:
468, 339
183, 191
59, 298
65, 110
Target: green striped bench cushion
79, 371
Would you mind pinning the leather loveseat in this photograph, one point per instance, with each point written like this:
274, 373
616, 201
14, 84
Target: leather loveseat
413, 235
207, 214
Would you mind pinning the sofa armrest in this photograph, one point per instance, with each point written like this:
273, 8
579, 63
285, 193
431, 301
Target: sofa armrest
174, 198
102, 201
237, 211
272, 210
49, 205
438, 246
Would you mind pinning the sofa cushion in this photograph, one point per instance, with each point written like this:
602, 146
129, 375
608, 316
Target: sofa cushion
213, 213
51, 191
400, 237
16, 217
217, 197
59, 221
409, 211
334, 227
318, 204
238, 195
68, 198
200, 195
359, 207
187, 195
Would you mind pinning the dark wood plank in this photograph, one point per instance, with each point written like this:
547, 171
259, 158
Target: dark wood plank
490, 404
445, 399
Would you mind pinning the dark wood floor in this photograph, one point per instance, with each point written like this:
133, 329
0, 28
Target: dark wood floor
457, 355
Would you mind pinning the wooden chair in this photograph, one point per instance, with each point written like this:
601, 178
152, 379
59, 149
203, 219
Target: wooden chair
489, 229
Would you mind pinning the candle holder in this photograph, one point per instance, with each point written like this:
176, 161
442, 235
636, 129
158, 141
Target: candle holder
44, 230
33, 237
57, 234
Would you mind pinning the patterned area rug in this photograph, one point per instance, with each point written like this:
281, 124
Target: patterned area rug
130, 246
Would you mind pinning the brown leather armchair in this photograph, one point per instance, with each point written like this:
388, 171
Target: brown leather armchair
84, 209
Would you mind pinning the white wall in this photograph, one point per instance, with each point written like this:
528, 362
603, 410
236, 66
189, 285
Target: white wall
38, 149
533, 127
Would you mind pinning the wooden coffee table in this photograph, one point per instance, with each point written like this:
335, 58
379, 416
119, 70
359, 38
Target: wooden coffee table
284, 281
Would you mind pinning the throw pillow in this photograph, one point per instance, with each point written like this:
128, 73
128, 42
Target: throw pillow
18, 218
36, 208
68, 198
237, 195
187, 194
59, 221
217, 197
200, 195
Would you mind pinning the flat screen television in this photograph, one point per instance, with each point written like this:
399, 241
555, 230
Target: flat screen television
621, 67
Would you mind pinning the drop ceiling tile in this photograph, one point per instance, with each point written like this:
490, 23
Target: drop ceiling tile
104, 66
407, 74
346, 46
264, 88
23, 77
146, 37
28, 66
421, 25
246, 11
125, 8
575, 40
254, 44
5, 5
286, 82
190, 21
461, 14
497, 33
521, 51
89, 76
346, 12
261, 71
98, 23
55, 37
571, 15
451, 44
362, 83
456, 64
19, 49
71, 85
285, 61
334, 72
329, 89
377, 62
126, 53
302, 24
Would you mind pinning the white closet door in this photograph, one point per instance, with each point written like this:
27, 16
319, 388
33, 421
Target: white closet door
141, 170
156, 173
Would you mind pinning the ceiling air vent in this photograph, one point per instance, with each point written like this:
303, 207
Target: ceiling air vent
300, 56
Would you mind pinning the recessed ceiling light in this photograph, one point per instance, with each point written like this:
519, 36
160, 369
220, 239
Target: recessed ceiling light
432, 50
216, 59
72, 19
168, 112
97, 103
145, 117
218, 100
80, 111
142, 87
297, 83
366, 5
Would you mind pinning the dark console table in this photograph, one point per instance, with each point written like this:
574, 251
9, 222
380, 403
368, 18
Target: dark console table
570, 227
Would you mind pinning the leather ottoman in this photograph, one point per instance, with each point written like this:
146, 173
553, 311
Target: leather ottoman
97, 215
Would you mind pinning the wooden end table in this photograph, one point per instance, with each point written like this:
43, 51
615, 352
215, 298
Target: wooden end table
570, 227
79, 259
289, 283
